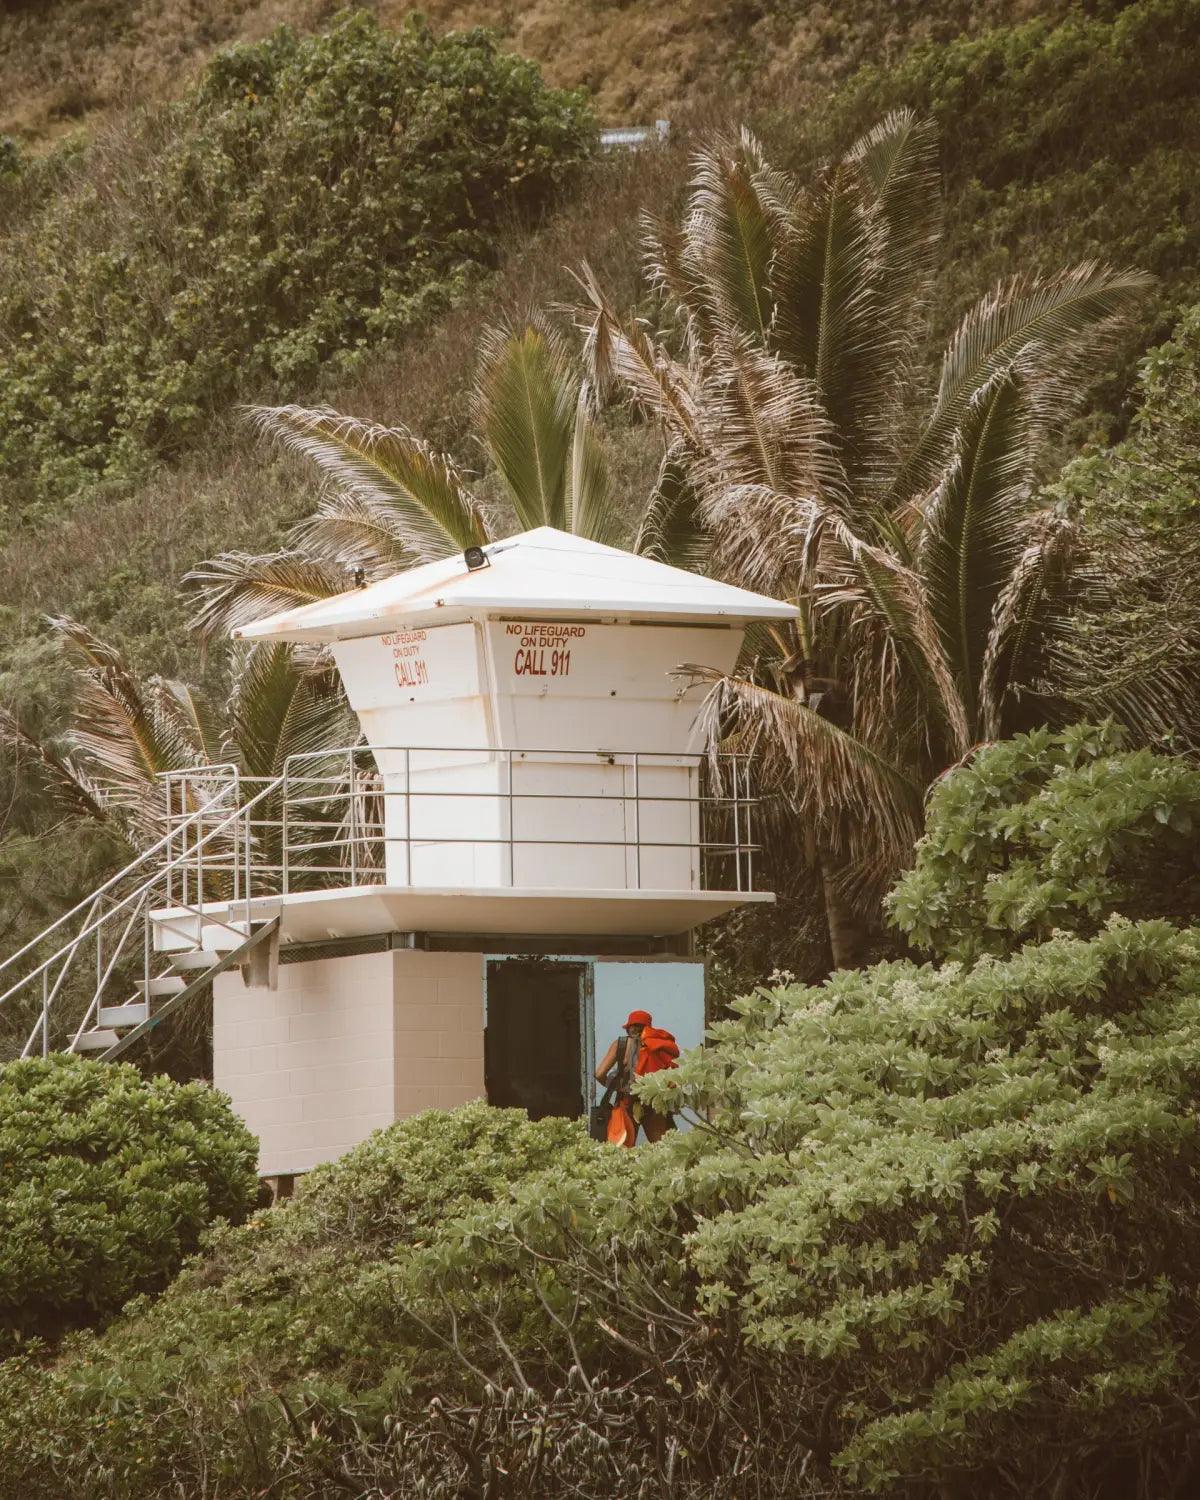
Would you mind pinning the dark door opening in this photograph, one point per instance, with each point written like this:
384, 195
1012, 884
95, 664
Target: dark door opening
532, 1045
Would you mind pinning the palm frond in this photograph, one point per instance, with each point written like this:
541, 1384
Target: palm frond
119, 738
762, 423
972, 532
671, 530
69, 786
831, 324
237, 588
872, 579
731, 233
760, 538
434, 511
625, 358
1053, 330
348, 532
675, 274
590, 510
829, 776
899, 160
524, 407
1035, 590
195, 715
286, 702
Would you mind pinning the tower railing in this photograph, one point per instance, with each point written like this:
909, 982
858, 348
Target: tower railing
366, 816
371, 815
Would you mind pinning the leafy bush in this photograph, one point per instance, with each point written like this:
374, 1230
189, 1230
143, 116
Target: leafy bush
1050, 831
107, 1180
308, 200
934, 1236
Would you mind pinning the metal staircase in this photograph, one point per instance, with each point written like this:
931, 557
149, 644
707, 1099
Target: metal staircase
142, 946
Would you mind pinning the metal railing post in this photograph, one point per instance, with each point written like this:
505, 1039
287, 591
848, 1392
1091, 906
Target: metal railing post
200, 842
749, 825
407, 820
146, 955
100, 943
285, 831
737, 830
170, 832
512, 858
637, 826
353, 822
237, 868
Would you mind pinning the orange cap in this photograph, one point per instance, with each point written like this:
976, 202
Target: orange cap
638, 1018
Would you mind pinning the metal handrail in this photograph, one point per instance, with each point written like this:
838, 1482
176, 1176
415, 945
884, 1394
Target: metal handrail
93, 925
326, 808
95, 895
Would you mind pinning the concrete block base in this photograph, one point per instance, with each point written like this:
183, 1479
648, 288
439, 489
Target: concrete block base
346, 1045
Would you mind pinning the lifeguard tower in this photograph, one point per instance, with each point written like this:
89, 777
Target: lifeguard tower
468, 902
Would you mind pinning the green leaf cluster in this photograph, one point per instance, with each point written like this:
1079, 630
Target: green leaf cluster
107, 1182
1138, 504
1051, 831
309, 199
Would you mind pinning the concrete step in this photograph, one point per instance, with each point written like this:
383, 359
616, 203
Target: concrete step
132, 1013
162, 986
98, 1039
222, 939
197, 958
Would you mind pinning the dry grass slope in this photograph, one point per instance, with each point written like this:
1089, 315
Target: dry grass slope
64, 63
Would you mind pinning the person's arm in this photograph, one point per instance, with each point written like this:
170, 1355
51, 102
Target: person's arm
609, 1063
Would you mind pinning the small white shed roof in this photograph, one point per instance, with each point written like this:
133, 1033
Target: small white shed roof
541, 574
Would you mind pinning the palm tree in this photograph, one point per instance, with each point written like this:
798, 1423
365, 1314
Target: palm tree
127, 732
798, 460
392, 501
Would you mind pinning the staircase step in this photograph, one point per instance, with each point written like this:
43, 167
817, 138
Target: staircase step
180, 930
222, 939
98, 1039
197, 958
163, 985
132, 1013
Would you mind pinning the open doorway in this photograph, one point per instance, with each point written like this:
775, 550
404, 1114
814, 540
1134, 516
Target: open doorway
533, 1044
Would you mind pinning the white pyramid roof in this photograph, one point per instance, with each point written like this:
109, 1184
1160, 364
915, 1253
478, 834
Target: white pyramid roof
542, 574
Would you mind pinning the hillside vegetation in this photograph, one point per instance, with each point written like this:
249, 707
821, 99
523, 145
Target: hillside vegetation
1073, 133
63, 62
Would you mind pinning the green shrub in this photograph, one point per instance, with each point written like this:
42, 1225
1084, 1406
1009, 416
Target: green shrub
1050, 831
107, 1181
308, 200
937, 1233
